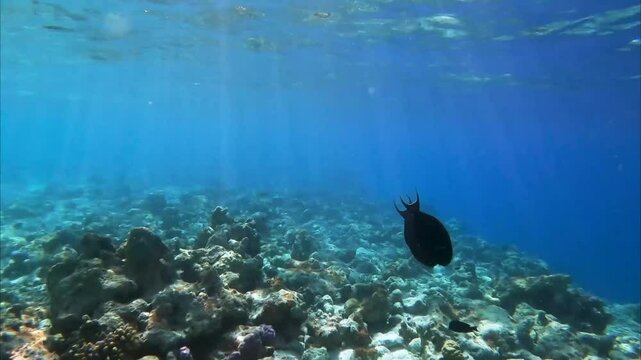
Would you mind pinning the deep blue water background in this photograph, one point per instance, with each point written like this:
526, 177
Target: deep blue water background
549, 162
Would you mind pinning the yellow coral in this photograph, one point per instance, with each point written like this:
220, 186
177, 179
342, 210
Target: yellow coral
335, 275
34, 347
452, 351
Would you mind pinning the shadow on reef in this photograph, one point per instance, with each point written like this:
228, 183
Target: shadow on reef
287, 279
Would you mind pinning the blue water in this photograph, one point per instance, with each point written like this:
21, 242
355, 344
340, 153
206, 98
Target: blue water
530, 140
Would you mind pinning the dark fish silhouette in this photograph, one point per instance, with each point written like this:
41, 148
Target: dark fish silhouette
425, 235
461, 327
58, 28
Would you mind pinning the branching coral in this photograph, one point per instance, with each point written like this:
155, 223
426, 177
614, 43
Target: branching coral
116, 345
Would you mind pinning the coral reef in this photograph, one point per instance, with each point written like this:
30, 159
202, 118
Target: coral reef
198, 274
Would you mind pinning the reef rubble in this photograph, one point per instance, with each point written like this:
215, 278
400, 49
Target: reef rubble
204, 274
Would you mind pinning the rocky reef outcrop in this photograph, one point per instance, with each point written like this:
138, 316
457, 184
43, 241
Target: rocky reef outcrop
147, 261
78, 287
553, 294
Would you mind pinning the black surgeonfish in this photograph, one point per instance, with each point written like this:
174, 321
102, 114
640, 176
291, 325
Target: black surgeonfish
425, 235
461, 327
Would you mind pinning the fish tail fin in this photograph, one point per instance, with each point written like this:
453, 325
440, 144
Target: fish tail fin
400, 212
409, 205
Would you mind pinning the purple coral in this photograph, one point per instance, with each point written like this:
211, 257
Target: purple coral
267, 334
252, 347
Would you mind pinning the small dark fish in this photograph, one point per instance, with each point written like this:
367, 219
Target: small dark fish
425, 235
461, 327
58, 28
